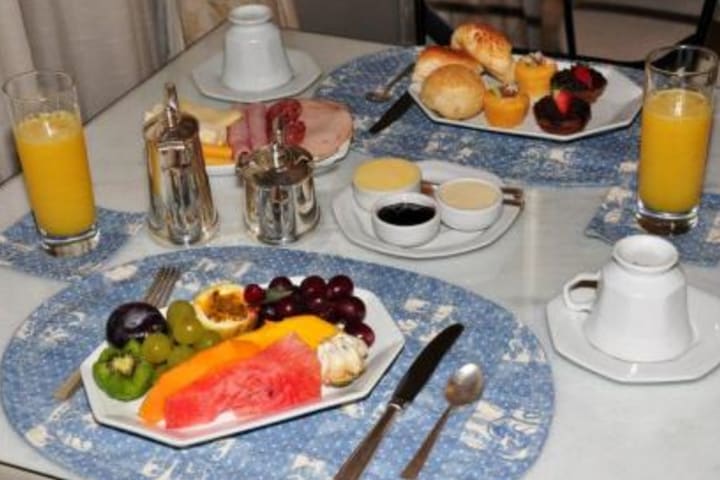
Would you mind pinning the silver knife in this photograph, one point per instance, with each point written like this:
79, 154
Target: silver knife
396, 110
420, 371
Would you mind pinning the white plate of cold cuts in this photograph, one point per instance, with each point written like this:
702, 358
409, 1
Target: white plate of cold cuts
327, 127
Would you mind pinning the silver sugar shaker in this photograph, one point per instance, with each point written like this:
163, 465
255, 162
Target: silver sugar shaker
181, 205
280, 204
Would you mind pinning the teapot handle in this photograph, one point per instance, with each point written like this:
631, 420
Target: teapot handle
569, 286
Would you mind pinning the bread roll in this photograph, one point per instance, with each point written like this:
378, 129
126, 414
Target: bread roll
434, 57
488, 46
453, 91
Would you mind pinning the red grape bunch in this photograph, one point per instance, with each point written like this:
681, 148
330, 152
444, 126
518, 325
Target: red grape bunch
332, 300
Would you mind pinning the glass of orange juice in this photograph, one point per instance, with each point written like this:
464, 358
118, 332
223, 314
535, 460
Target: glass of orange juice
675, 133
50, 142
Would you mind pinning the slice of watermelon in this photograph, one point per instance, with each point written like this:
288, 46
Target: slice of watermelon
285, 374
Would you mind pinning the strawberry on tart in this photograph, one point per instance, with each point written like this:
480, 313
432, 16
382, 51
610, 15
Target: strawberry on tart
561, 113
581, 80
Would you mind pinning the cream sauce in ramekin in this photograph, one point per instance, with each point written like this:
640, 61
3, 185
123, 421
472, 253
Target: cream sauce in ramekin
469, 195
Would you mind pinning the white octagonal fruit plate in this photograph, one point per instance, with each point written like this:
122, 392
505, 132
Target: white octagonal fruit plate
388, 343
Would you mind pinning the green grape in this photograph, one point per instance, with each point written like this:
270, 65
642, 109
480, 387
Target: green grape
178, 311
179, 354
156, 348
187, 331
207, 340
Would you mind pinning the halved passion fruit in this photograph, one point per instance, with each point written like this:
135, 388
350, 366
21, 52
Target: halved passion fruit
222, 308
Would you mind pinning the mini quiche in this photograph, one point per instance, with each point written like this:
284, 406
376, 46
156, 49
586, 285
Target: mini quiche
533, 73
506, 106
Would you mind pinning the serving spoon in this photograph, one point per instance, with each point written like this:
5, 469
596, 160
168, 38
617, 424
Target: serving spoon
382, 93
465, 386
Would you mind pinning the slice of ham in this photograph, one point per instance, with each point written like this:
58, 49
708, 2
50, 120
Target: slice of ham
327, 126
289, 109
257, 124
238, 135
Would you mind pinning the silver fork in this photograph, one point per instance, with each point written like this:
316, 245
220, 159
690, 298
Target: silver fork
157, 294
382, 92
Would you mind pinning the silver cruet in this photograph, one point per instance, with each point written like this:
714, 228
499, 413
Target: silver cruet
181, 205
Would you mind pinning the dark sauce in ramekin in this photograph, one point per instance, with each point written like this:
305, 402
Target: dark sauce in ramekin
406, 214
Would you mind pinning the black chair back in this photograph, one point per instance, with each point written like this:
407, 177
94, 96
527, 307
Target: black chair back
698, 37
429, 25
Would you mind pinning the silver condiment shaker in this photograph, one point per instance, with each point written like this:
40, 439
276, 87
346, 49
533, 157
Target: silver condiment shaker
181, 205
279, 203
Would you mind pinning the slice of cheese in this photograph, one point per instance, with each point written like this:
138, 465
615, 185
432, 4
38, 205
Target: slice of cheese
217, 161
211, 117
216, 154
213, 122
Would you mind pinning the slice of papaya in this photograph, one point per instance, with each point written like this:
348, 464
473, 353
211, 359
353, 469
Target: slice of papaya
312, 329
182, 375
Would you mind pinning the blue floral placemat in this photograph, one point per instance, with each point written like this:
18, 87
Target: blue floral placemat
615, 219
589, 161
501, 436
19, 247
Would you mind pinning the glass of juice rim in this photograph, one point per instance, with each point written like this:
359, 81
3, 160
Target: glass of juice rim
684, 61
50, 143
675, 132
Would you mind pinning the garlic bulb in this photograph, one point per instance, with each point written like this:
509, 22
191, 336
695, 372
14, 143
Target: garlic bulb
342, 359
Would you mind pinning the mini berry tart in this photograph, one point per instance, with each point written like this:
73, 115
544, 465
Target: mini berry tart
533, 73
561, 113
505, 106
581, 80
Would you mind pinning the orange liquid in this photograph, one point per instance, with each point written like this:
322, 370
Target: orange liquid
673, 149
52, 152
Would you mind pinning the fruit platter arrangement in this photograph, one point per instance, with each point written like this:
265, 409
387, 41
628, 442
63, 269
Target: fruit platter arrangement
234, 357
477, 82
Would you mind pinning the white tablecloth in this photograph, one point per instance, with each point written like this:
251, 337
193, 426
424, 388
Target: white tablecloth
601, 429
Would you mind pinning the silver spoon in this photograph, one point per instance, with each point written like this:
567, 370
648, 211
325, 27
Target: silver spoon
465, 386
382, 93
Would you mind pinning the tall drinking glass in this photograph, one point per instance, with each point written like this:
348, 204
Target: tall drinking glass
675, 133
50, 142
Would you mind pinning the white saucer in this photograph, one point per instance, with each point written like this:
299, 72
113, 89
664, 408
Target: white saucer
356, 223
207, 79
703, 356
